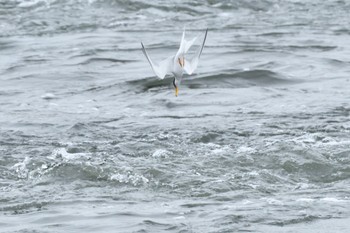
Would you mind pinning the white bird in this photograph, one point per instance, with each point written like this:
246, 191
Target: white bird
177, 64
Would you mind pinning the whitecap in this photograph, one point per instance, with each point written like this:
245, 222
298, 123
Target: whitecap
331, 199
62, 153
161, 153
21, 168
245, 149
48, 96
129, 178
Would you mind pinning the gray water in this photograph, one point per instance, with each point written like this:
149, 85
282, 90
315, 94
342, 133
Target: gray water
258, 139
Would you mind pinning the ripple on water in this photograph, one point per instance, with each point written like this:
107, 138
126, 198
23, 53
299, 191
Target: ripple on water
90, 141
229, 79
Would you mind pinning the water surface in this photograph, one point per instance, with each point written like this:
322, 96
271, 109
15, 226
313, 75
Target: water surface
257, 141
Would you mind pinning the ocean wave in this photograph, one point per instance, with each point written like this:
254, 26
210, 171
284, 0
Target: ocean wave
47, 17
228, 79
104, 60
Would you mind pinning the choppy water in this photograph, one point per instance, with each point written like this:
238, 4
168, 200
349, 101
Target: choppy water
257, 141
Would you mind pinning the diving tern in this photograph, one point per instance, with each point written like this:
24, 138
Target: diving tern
178, 64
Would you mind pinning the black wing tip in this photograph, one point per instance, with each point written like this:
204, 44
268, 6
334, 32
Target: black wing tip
205, 38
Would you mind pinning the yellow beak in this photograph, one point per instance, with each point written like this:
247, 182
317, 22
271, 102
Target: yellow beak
176, 91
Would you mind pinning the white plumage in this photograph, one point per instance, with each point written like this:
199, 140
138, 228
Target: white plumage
179, 63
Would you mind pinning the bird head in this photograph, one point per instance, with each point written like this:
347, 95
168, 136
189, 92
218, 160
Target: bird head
176, 84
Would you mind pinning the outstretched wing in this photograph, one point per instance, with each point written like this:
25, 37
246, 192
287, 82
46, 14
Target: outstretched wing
164, 66
185, 45
191, 65
188, 44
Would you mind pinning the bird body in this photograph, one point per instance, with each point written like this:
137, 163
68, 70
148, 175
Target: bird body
179, 64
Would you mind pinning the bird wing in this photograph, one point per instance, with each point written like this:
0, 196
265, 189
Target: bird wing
185, 45
164, 66
188, 44
182, 45
191, 65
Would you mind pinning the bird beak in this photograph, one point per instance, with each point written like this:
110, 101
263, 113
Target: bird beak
176, 91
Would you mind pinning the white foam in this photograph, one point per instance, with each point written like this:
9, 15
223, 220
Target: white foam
305, 200
48, 96
331, 199
21, 168
161, 153
30, 3
220, 150
129, 178
62, 153
245, 149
